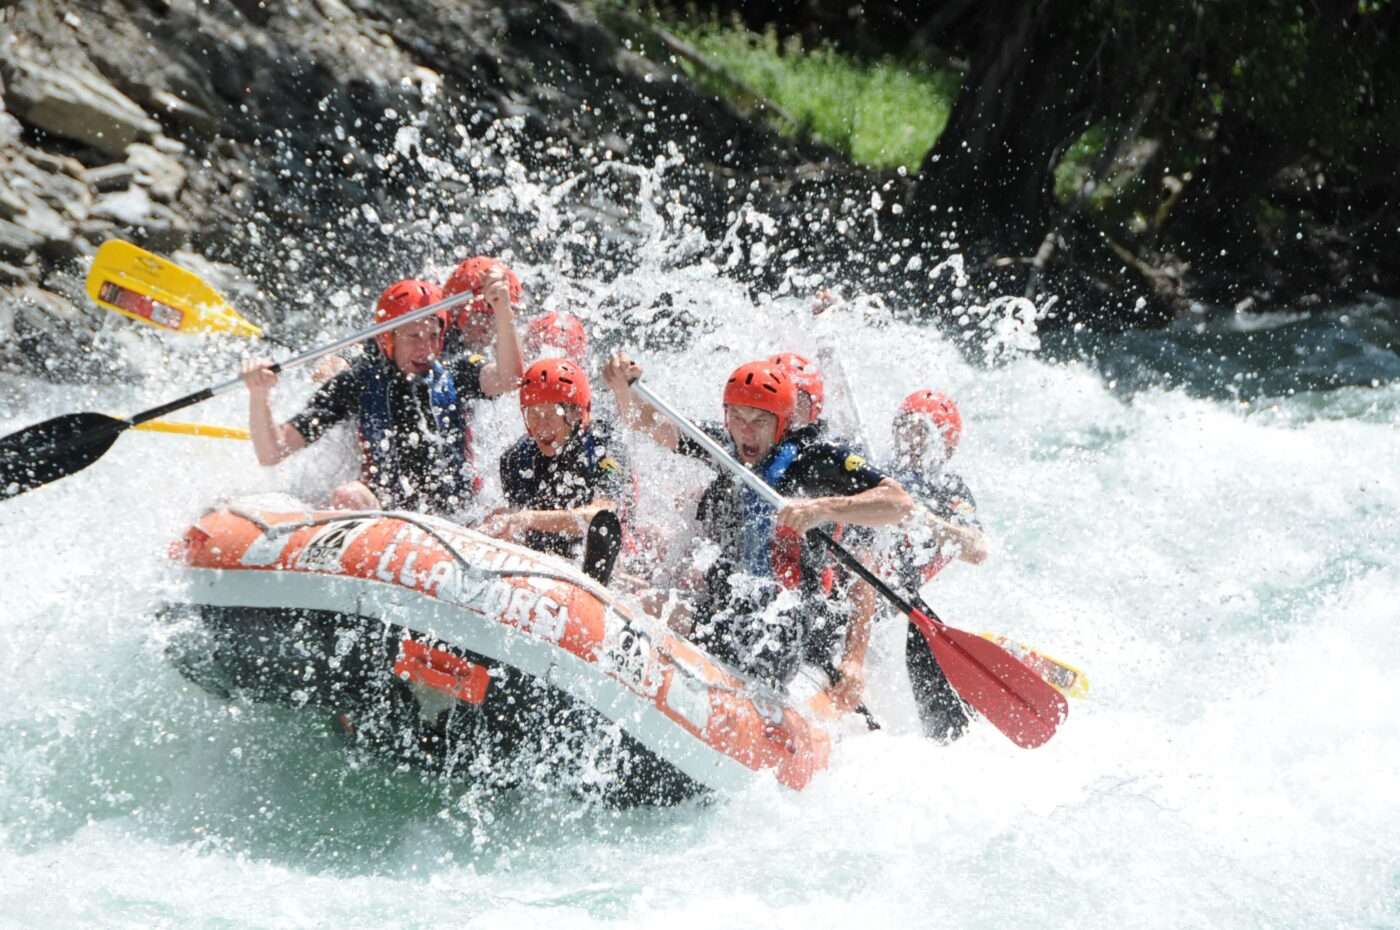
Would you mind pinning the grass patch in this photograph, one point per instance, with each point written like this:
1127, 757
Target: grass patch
880, 112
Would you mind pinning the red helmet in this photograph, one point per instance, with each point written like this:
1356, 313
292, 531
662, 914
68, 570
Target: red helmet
467, 277
942, 411
808, 378
556, 381
766, 386
404, 297
558, 330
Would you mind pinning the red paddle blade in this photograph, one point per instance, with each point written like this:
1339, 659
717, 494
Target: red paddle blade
1011, 696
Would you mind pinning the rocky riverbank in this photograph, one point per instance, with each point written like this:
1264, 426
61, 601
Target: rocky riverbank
296, 146
294, 152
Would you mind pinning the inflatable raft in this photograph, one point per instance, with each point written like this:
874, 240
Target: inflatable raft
473, 654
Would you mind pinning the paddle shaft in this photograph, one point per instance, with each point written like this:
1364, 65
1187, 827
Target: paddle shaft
312, 355
192, 429
297, 361
769, 495
58, 447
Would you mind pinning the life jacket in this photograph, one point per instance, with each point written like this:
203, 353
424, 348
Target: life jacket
530, 480
376, 423
766, 550
526, 477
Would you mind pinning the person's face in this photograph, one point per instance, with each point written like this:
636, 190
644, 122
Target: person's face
752, 430
917, 441
551, 425
478, 330
416, 346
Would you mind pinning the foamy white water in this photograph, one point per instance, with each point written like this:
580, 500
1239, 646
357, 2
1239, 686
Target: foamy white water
1227, 573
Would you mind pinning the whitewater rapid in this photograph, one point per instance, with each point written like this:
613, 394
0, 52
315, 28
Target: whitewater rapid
1225, 568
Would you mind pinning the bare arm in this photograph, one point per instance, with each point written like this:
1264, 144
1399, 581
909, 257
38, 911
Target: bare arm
637, 414
503, 374
883, 505
858, 633
569, 522
272, 441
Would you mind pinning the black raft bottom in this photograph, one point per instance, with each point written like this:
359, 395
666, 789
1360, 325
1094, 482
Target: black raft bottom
524, 732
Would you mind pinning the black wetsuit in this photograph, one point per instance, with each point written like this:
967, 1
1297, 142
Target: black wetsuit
456, 351
763, 596
419, 457
946, 494
827, 635
591, 465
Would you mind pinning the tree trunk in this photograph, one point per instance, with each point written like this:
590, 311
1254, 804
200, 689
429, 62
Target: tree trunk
1216, 213
1024, 101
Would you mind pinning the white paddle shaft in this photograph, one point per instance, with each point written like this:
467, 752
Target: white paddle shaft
709, 445
354, 338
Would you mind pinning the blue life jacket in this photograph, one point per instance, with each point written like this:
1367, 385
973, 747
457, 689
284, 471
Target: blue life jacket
376, 422
759, 517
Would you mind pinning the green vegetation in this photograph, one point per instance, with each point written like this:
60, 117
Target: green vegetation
883, 112
1173, 150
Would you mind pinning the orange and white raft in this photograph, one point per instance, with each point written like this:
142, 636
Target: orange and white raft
480, 648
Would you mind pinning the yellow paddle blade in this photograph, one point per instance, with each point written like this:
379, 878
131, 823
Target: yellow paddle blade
1066, 679
193, 429
154, 290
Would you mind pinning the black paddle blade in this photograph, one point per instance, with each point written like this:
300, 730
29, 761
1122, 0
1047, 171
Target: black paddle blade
601, 546
54, 449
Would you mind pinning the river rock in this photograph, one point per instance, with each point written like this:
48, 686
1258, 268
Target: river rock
258, 134
49, 335
159, 228
11, 203
10, 128
156, 171
15, 274
70, 100
17, 242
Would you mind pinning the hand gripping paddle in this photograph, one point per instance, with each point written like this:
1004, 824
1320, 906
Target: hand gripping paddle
58, 447
1012, 697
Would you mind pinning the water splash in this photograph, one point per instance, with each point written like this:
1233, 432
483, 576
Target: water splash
1222, 567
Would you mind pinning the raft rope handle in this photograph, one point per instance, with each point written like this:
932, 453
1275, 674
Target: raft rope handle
582, 581
754, 689
282, 529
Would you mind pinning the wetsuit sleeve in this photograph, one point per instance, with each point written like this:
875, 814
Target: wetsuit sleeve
954, 502
691, 448
829, 470
336, 400
466, 374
